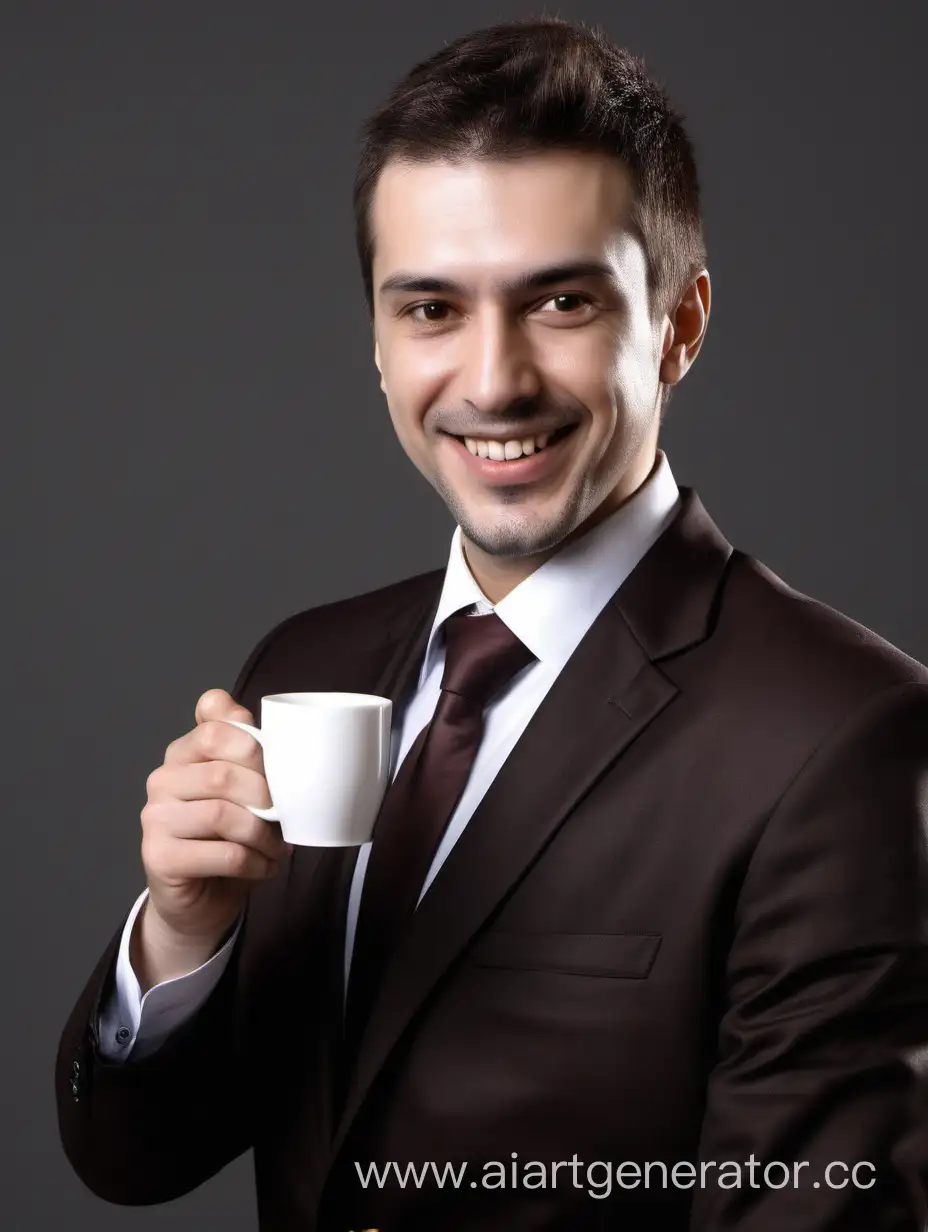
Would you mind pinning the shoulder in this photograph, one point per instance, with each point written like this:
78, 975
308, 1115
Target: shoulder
368, 619
798, 663
804, 633
792, 709
378, 612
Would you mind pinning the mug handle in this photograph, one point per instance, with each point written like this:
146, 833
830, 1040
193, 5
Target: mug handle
268, 814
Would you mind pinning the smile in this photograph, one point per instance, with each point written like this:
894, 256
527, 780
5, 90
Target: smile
536, 456
511, 450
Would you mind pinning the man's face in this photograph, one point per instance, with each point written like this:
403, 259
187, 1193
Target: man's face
462, 355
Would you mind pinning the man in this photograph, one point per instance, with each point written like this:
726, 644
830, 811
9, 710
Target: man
639, 940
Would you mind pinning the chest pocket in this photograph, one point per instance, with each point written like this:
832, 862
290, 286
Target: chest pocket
612, 955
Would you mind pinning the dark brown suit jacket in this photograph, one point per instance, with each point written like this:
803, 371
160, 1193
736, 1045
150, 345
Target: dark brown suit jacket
685, 924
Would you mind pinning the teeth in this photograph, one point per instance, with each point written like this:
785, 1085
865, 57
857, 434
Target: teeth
501, 451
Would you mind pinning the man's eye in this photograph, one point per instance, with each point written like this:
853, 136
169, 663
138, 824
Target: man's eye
436, 311
568, 301
428, 311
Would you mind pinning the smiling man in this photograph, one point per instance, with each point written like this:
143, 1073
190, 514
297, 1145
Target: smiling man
522, 362
638, 942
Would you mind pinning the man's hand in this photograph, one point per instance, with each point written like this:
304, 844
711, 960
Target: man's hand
202, 849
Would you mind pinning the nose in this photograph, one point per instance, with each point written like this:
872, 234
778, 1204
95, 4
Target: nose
497, 367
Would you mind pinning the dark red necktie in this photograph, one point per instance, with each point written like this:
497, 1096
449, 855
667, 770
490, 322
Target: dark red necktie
482, 655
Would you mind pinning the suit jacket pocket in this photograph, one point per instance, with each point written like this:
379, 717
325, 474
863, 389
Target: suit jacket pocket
622, 955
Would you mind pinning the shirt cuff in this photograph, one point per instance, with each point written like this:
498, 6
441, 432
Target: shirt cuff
134, 1025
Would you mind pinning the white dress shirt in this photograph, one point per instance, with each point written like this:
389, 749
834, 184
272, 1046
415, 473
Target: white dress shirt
550, 611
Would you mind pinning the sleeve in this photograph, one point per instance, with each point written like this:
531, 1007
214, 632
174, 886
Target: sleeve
157, 1128
826, 993
132, 1026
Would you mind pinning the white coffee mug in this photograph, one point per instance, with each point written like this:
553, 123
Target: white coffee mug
327, 764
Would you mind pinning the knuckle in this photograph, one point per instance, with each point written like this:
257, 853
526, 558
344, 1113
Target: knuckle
214, 812
151, 817
219, 778
208, 702
236, 859
255, 832
211, 739
173, 750
152, 853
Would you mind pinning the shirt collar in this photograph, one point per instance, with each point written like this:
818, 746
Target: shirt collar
553, 608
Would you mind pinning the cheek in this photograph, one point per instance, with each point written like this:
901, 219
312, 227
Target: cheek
399, 415
596, 368
407, 408
414, 378
635, 378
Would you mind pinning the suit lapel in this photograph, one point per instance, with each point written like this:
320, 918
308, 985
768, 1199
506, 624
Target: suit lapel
607, 694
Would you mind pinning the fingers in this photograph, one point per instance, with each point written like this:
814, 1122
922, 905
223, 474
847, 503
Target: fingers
197, 859
216, 821
213, 740
209, 780
218, 704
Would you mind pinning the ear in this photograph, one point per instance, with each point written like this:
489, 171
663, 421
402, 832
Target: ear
377, 361
685, 331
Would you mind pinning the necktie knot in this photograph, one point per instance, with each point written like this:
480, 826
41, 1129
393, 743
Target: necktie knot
482, 655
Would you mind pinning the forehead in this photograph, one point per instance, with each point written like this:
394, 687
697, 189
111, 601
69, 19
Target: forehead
494, 215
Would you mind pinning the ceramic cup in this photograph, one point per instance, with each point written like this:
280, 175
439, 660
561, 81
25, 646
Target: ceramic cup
327, 764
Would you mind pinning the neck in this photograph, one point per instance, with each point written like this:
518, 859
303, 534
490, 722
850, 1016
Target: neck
498, 575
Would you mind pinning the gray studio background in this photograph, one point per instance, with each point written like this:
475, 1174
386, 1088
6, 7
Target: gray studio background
197, 443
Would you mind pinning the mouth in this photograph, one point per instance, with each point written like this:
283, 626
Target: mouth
525, 468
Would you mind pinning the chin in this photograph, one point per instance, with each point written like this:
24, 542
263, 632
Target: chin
513, 524
513, 535
514, 547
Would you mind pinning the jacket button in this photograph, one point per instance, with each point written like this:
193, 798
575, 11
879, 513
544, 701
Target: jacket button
123, 1035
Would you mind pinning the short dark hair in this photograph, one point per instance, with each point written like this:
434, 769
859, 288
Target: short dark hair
520, 87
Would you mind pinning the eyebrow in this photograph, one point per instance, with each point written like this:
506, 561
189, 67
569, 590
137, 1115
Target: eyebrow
531, 280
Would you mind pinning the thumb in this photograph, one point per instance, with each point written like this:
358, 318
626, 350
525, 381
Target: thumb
218, 704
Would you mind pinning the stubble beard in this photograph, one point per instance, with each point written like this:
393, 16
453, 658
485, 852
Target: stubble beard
514, 535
